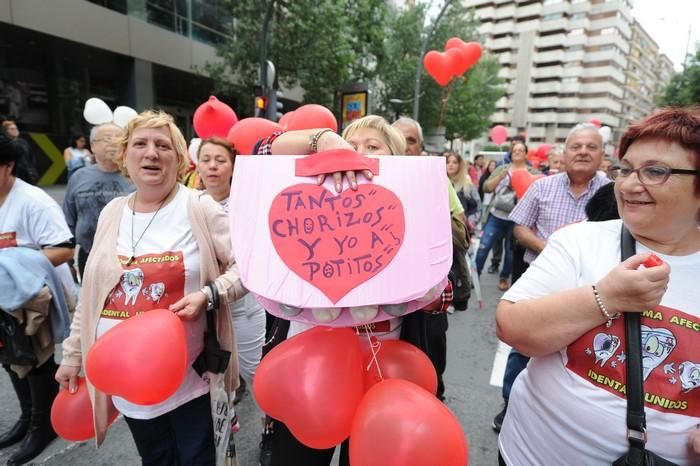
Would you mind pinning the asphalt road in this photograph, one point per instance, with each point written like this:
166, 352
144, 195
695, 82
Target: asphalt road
472, 345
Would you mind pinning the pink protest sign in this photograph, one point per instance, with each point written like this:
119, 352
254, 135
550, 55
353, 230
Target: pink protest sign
385, 249
336, 242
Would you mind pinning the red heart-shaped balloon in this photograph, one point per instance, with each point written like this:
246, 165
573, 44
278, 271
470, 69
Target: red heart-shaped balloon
399, 423
71, 414
521, 181
499, 134
213, 118
438, 65
396, 359
247, 132
472, 52
313, 383
336, 242
312, 116
126, 361
543, 151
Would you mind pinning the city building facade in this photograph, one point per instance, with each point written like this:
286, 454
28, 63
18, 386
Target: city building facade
141, 53
648, 71
564, 61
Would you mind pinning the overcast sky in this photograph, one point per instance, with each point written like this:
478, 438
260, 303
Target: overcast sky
667, 22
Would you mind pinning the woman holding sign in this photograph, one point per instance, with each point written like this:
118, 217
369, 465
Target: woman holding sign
371, 135
155, 249
570, 403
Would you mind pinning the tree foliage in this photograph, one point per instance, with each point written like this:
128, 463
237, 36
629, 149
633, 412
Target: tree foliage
472, 97
318, 45
684, 88
322, 45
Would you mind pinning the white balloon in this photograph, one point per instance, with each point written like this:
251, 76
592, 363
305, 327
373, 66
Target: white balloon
123, 114
605, 133
193, 149
97, 112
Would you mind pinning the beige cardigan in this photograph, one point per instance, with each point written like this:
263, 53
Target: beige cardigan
103, 271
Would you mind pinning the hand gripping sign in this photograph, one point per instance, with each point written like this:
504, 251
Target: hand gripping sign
316, 256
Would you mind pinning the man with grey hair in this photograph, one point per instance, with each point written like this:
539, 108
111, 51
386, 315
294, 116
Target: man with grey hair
549, 204
436, 323
413, 133
92, 187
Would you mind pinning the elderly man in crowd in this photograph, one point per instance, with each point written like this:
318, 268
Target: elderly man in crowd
549, 204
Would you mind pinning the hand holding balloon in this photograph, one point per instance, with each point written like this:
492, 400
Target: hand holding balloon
191, 306
67, 377
71, 414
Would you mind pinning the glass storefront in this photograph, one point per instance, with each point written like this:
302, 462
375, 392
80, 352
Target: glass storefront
202, 20
45, 81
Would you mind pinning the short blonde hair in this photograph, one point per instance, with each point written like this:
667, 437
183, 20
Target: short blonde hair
392, 138
154, 119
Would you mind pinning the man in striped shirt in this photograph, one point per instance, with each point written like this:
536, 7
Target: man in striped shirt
549, 204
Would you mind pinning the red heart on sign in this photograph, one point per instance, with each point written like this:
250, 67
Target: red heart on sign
336, 242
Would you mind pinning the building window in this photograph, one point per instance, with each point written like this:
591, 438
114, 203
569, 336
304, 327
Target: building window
576, 16
553, 16
576, 32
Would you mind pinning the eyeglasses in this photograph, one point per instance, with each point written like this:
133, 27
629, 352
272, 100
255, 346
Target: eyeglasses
653, 174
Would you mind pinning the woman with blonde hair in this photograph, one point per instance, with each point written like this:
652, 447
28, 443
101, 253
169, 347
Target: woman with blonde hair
466, 191
161, 219
370, 135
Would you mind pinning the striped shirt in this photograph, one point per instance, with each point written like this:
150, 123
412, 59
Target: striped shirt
549, 205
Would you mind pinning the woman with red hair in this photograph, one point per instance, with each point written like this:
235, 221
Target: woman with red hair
570, 404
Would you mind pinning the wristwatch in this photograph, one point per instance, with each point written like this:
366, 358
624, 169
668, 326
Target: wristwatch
206, 289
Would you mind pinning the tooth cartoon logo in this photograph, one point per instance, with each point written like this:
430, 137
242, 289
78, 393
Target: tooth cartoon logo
131, 282
690, 375
604, 346
657, 344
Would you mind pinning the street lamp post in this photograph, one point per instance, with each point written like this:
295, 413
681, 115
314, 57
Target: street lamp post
419, 66
263, 47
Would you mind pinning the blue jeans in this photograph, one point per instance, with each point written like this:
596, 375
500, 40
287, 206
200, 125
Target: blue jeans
184, 436
494, 230
515, 365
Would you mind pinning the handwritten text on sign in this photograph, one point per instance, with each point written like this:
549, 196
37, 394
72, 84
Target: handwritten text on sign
336, 242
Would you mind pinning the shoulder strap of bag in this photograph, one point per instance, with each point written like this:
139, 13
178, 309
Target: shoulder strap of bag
636, 421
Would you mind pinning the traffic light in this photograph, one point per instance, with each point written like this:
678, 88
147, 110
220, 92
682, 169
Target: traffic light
275, 107
259, 102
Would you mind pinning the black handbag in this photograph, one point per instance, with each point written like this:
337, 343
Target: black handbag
17, 348
637, 455
212, 358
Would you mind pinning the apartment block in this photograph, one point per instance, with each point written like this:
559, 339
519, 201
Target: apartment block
564, 61
648, 71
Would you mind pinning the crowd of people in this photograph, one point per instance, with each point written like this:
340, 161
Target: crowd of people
564, 283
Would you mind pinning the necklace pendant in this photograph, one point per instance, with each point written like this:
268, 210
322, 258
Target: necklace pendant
130, 260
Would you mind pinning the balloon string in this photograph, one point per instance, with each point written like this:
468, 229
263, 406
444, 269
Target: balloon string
374, 346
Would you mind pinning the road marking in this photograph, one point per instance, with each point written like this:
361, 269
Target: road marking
51, 151
499, 364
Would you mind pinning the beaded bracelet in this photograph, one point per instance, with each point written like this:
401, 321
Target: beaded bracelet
604, 309
313, 140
